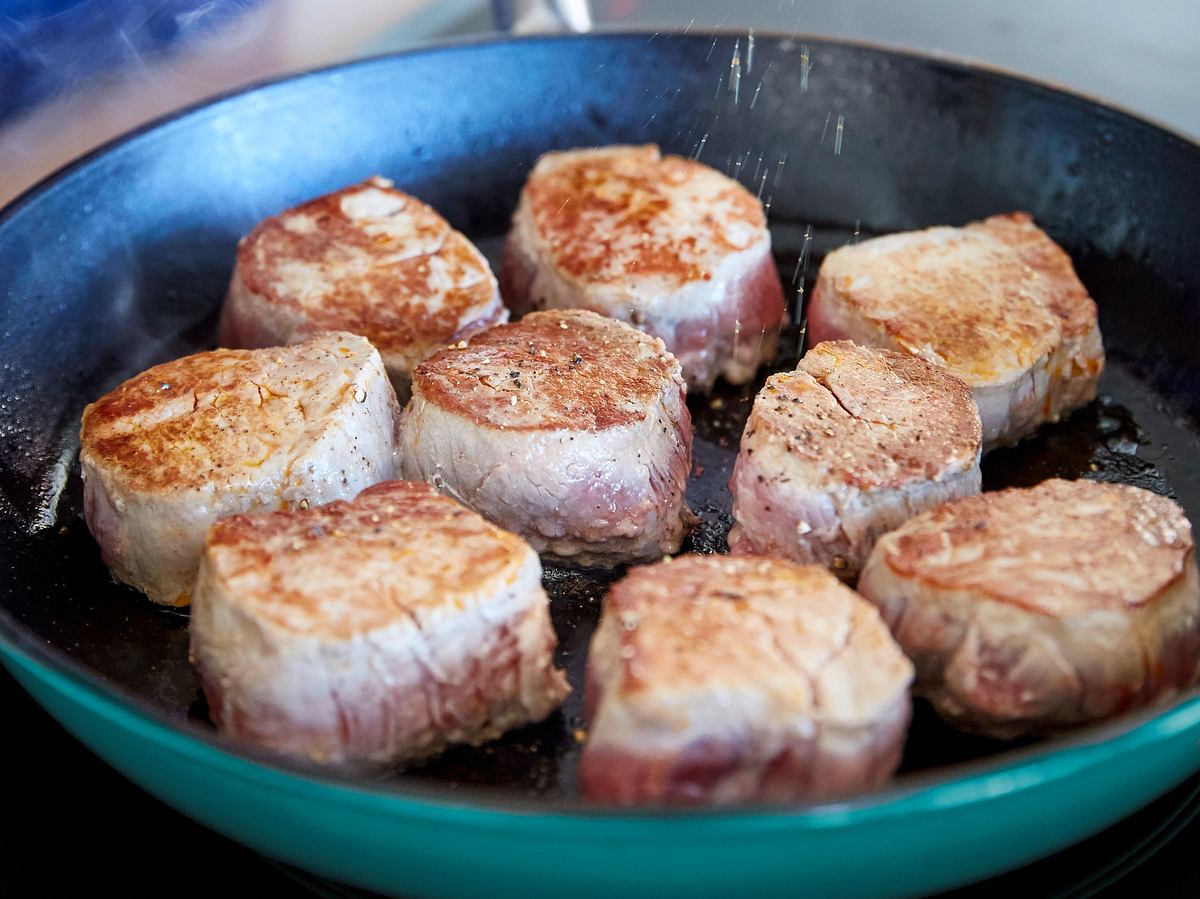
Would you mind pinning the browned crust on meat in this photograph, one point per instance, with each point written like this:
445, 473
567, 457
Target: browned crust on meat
988, 303
870, 418
390, 301
714, 620
212, 418
610, 214
1064, 293
1058, 549
431, 551
551, 370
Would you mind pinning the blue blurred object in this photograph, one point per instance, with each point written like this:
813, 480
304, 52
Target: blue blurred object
51, 47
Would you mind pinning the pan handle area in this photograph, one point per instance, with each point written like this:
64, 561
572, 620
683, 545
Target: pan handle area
542, 16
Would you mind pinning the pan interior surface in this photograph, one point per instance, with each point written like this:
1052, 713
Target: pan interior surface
123, 260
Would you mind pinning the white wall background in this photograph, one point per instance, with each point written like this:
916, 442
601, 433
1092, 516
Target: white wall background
1144, 56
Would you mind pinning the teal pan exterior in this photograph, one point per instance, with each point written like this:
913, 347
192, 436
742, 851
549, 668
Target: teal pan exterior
906, 843
169, 204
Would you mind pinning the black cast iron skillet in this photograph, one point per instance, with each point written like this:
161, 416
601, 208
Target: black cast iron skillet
120, 261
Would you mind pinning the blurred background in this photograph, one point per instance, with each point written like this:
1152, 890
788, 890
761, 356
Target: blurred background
75, 73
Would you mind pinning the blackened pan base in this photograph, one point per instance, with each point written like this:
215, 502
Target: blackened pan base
1130, 434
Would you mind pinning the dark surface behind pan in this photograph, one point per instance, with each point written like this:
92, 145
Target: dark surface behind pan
122, 262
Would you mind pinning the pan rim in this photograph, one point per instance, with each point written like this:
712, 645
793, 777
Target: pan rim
974, 782
969, 782
952, 61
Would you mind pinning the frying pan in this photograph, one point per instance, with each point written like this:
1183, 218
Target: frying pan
120, 261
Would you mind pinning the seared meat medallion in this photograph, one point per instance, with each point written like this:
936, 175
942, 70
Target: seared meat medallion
373, 631
714, 679
664, 243
368, 259
851, 444
170, 451
997, 303
1033, 610
567, 428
